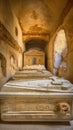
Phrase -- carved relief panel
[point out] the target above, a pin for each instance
(33, 109)
(13, 64)
(2, 65)
(34, 57)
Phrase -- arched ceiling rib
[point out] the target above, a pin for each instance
(35, 44)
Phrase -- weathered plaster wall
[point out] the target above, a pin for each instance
(12, 57)
(68, 27)
(11, 65)
(39, 17)
(61, 61)
(60, 52)
(68, 24)
(43, 14)
(9, 20)
(50, 54)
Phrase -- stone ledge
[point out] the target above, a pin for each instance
(6, 36)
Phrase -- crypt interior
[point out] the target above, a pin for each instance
(36, 44)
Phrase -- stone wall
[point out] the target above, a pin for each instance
(68, 28)
(68, 25)
(9, 20)
(10, 43)
(9, 62)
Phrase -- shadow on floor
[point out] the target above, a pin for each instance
(37, 123)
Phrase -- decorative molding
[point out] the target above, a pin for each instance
(23, 107)
(36, 30)
(35, 33)
(6, 36)
(62, 108)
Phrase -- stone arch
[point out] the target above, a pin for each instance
(60, 53)
(37, 43)
(12, 59)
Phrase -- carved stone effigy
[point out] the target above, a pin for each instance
(44, 99)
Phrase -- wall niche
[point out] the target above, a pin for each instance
(13, 63)
(3, 65)
(60, 54)
(34, 57)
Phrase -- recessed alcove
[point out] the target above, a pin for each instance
(60, 54)
(36, 43)
(35, 51)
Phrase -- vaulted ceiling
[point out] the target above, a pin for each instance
(42, 15)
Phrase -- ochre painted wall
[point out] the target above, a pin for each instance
(10, 22)
(11, 66)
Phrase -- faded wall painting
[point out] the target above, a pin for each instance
(60, 54)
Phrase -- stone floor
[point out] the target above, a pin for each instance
(37, 126)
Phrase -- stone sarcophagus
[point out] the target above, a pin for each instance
(36, 106)
(30, 98)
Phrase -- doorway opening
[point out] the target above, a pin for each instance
(34, 61)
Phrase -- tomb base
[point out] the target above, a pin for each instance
(36, 106)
